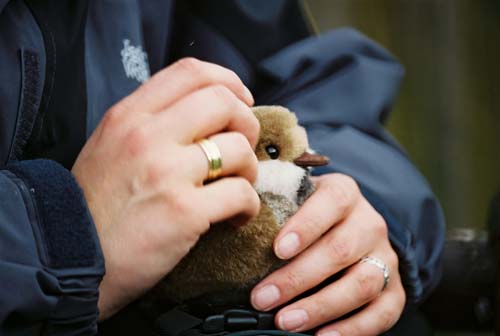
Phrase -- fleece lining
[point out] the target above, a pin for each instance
(66, 225)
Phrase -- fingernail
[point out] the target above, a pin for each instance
(288, 246)
(330, 333)
(293, 319)
(266, 297)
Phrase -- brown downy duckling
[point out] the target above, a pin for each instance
(229, 258)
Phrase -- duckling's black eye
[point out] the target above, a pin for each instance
(273, 152)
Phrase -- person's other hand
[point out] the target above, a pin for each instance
(142, 173)
(332, 231)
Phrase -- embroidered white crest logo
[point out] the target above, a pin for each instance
(135, 62)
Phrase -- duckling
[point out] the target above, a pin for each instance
(229, 258)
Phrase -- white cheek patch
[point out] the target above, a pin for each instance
(279, 178)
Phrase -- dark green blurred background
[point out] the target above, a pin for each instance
(448, 113)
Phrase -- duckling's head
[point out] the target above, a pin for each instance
(281, 138)
(284, 154)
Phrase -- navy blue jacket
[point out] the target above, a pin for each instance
(64, 63)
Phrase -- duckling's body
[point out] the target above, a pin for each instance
(230, 258)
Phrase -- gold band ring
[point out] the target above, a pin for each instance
(214, 158)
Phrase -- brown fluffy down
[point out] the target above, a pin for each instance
(225, 258)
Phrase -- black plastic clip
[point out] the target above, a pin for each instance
(238, 319)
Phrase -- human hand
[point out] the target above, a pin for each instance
(142, 173)
(332, 231)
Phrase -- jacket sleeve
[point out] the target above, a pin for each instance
(341, 85)
(50, 258)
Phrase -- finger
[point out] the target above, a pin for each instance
(341, 247)
(206, 112)
(237, 156)
(379, 316)
(360, 285)
(334, 198)
(227, 198)
(181, 78)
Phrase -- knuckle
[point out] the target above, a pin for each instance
(242, 187)
(256, 200)
(402, 302)
(243, 148)
(243, 195)
(155, 173)
(247, 193)
(252, 166)
(181, 206)
(254, 205)
(253, 125)
(254, 158)
(293, 283)
(232, 76)
(400, 295)
(353, 328)
(253, 135)
(341, 252)
(148, 242)
(368, 283)
(250, 123)
(341, 193)
(310, 225)
(392, 260)
(349, 183)
(113, 117)
(380, 226)
(178, 204)
(190, 64)
(240, 143)
(224, 96)
(137, 141)
(322, 309)
(244, 162)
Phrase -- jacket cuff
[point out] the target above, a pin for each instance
(67, 240)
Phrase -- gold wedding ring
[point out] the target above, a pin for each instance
(213, 155)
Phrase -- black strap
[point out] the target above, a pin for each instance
(177, 322)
